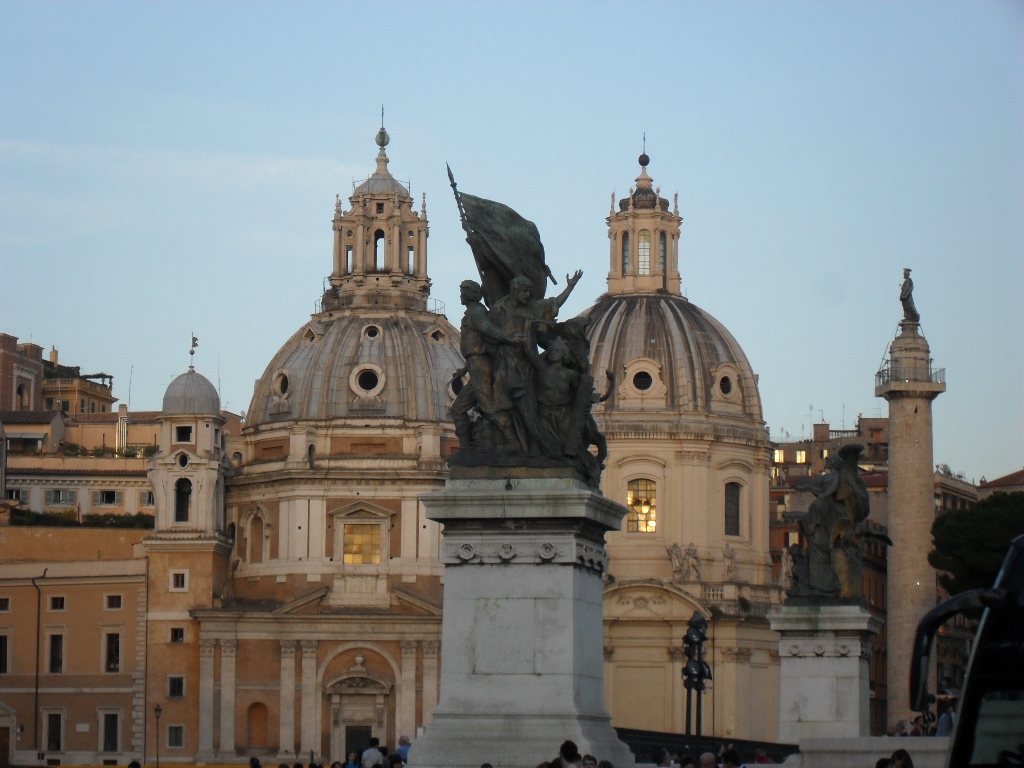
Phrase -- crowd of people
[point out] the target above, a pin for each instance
(917, 727)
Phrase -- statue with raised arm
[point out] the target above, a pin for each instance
(910, 314)
(530, 390)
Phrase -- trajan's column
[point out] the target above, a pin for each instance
(909, 383)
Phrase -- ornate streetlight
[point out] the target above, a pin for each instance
(157, 711)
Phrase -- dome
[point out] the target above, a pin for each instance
(191, 392)
(669, 354)
(381, 365)
(381, 183)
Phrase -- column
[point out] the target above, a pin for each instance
(308, 727)
(207, 649)
(679, 690)
(227, 695)
(430, 648)
(406, 720)
(287, 733)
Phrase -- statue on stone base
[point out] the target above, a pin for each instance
(835, 530)
(910, 314)
(530, 391)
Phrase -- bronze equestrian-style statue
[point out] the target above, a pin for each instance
(835, 530)
(530, 391)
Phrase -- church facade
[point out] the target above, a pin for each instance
(288, 602)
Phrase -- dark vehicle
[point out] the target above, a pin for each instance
(989, 726)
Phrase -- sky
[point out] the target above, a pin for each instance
(170, 168)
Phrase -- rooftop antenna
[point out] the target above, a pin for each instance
(192, 352)
(131, 372)
(382, 116)
(645, 142)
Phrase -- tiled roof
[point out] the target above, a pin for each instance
(28, 417)
(1012, 479)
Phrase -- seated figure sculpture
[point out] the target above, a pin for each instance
(530, 391)
(835, 530)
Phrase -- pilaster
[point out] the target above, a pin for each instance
(207, 652)
(430, 680)
(227, 696)
(286, 750)
(406, 720)
(309, 728)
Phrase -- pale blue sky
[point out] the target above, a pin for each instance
(171, 167)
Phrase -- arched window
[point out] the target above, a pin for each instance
(643, 249)
(732, 509)
(21, 403)
(182, 500)
(256, 540)
(625, 253)
(411, 261)
(378, 250)
(663, 253)
(311, 456)
(642, 500)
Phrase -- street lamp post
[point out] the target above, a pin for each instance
(157, 711)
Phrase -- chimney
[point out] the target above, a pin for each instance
(53, 355)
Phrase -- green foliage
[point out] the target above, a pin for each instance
(66, 519)
(108, 520)
(970, 544)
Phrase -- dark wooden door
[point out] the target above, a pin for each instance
(357, 738)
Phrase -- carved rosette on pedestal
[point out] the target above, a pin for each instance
(522, 657)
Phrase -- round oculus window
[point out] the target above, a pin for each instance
(725, 385)
(643, 381)
(281, 384)
(367, 380)
(372, 331)
(182, 460)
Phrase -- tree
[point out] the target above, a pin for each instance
(970, 543)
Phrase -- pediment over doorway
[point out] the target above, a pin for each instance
(650, 599)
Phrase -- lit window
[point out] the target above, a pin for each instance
(732, 509)
(625, 253)
(175, 736)
(643, 248)
(642, 498)
(362, 544)
(801, 457)
(780, 456)
(824, 453)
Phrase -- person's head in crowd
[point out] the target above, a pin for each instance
(254, 762)
(708, 760)
(403, 740)
(605, 764)
(568, 752)
(883, 762)
(688, 761)
(374, 742)
(486, 765)
(394, 759)
(589, 761)
(660, 757)
(337, 764)
(353, 758)
(731, 759)
(901, 759)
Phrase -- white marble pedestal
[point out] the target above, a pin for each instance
(825, 690)
(522, 634)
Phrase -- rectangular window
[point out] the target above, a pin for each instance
(780, 456)
(362, 544)
(643, 247)
(179, 581)
(110, 732)
(411, 264)
(54, 732)
(19, 495)
(183, 434)
(176, 687)
(49, 403)
(732, 509)
(824, 453)
(57, 603)
(5, 604)
(147, 499)
(56, 654)
(5, 647)
(113, 602)
(81, 406)
(65, 406)
(61, 498)
(177, 634)
(642, 501)
(113, 652)
(175, 736)
(106, 498)
(380, 207)
(348, 259)
(801, 457)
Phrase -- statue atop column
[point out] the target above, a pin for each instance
(835, 529)
(530, 391)
(910, 314)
